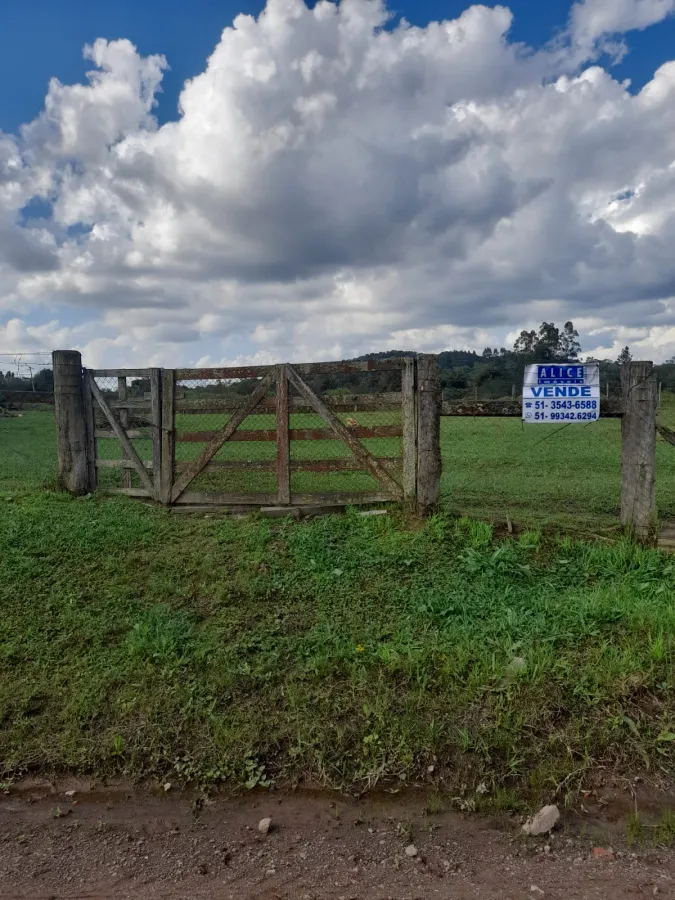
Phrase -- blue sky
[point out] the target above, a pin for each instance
(331, 189)
(44, 38)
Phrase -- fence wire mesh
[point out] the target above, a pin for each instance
(245, 463)
(319, 462)
(569, 474)
(665, 455)
(129, 400)
(503, 469)
(27, 427)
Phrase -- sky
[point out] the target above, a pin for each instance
(303, 181)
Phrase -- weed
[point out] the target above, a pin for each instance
(405, 830)
(634, 830)
(434, 805)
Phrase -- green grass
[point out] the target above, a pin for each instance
(492, 468)
(544, 475)
(346, 649)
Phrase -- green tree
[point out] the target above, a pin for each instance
(525, 343)
(549, 343)
(569, 346)
(624, 357)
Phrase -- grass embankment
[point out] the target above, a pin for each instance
(348, 649)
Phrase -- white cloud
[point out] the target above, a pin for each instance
(594, 19)
(332, 186)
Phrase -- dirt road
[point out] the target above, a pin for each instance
(104, 843)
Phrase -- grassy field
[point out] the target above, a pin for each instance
(346, 649)
(538, 476)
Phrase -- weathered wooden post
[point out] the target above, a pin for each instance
(428, 434)
(168, 422)
(283, 438)
(72, 439)
(409, 414)
(638, 450)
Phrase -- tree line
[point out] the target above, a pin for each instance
(464, 373)
(493, 373)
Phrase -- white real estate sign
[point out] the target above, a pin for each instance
(567, 392)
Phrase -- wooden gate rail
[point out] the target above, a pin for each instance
(319, 368)
(388, 402)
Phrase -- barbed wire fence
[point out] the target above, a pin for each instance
(499, 468)
(493, 467)
(27, 428)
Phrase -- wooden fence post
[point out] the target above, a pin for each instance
(428, 434)
(638, 450)
(156, 415)
(168, 427)
(72, 440)
(122, 396)
(283, 438)
(409, 413)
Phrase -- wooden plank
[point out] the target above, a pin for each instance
(409, 406)
(273, 512)
(220, 498)
(428, 434)
(123, 438)
(296, 434)
(638, 450)
(390, 463)
(90, 428)
(319, 368)
(390, 401)
(345, 434)
(119, 373)
(347, 366)
(168, 435)
(132, 434)
(131, 492)
(156, 419)
(343, 498)
(221, 437)
(124, 422)
(283, 439)
(345, 464)
(666, 434)
(228, 373)
(337, 498)
(609, 409)
(120, 464)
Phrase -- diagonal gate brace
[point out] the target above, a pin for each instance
(359, 451)
(221, 436)
(121, 435)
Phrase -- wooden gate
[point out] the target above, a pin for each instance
(234, 457)
(112, 406)
(310, 435)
